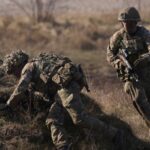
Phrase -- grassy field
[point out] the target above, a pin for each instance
(84, 39)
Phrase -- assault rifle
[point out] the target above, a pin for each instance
(124, 57)
(129, 69)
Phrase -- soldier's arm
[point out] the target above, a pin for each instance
(21, 88)
(113, 49)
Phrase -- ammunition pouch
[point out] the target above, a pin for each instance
(70, 72)
(64, 74)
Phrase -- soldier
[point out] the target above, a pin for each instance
(132, 40)
(51, 75)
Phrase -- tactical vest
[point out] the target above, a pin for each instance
(60, 70)
(134, 45)
(48, 65)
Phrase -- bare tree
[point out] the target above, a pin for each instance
(39, 10)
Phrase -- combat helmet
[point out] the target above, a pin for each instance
(129, 14)
(14, 60)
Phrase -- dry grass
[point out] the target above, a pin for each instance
(116, 103)
(83, 39)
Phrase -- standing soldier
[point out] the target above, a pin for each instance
(125, 48)
(53, 74)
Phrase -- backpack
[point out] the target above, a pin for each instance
(54, 67)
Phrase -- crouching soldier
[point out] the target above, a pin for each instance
(125, 48)
(56, 75)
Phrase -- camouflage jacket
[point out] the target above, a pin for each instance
(46, 76)
(136, 45)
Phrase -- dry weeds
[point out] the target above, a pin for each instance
(84, 40)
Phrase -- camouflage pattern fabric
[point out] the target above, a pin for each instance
(54, 75)
(55, 123)
(14, 60)
(40, 72)
(136, 45)
(69, 101)
(129, 14)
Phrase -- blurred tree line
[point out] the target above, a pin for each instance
(38, 10)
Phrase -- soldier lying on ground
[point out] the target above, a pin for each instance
(56, 75)
(132, 42)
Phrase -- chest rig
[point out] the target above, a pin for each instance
(48, 66)
(134, 45)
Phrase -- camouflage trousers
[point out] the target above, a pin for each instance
(139, 98)
(70, 103)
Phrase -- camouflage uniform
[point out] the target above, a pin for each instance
(55, 75)
(136, 45)
(8, 66)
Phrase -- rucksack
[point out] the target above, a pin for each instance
(50, 64)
